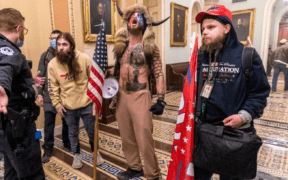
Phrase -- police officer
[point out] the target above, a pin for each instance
(22, 155)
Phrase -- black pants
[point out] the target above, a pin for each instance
(27, 165)
(49, 132)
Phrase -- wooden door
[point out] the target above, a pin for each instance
(283, 32)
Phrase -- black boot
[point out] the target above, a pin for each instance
(129, 174)
(67, 146)
(46, 156)
(158, 178)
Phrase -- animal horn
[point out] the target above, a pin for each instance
(119, 10)
(159, 22)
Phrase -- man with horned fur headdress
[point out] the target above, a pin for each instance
(137, 57)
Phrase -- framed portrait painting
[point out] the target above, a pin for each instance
(178, 25)
(243, 22)
(96, 13)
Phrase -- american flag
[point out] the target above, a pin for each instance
(181, 165)
(97, 75)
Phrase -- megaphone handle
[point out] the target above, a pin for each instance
(114, 100)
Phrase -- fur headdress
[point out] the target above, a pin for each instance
(148, 36)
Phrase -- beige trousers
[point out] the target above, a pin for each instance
(135, 125)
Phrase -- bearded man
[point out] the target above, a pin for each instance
(228, 98)
(68, 75)
(44, 100)
(138, 59)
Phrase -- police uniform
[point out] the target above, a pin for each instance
(22, 154)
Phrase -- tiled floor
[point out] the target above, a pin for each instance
(56, 169)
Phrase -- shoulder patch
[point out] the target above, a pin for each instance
(6, 51)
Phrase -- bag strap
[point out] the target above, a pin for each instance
(46, 61)
(199, 101)
(247, 58)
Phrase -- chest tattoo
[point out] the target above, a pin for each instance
(137, 61)
(136, 58)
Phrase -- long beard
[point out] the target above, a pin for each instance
(135, 31)
(213, 46)
(65, 57)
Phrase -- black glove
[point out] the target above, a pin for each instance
(158, 107)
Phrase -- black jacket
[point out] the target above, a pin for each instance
(232, 91)
(15, 76)
(45, 58)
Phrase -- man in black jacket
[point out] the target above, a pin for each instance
(20, 144)
(49, 109)
(227, 96)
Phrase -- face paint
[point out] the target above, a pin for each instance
(138, 17)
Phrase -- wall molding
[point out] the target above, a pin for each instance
(163, 40)
(52, 15)
(201, 7)
(267, 20)
(71, 17)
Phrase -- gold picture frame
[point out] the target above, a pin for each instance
(178, 25)
(92, 20)
(243, 22)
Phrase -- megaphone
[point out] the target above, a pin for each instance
(110, 88)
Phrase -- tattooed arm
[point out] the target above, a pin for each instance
(158, 73)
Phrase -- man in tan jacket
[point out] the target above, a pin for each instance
(68, 75)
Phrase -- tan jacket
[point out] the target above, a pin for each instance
(64, 91)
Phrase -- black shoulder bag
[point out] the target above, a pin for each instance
(225, 150)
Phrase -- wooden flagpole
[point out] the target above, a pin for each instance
(95, 147)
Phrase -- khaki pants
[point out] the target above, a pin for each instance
(135, 125)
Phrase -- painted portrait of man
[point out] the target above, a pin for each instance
(179, 25)
(241, 23)
(100, 12)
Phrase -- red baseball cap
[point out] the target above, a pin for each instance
(215, 10)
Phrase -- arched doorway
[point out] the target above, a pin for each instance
(195, 27)
(267, 20)
(195, 7)
(283, 28)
